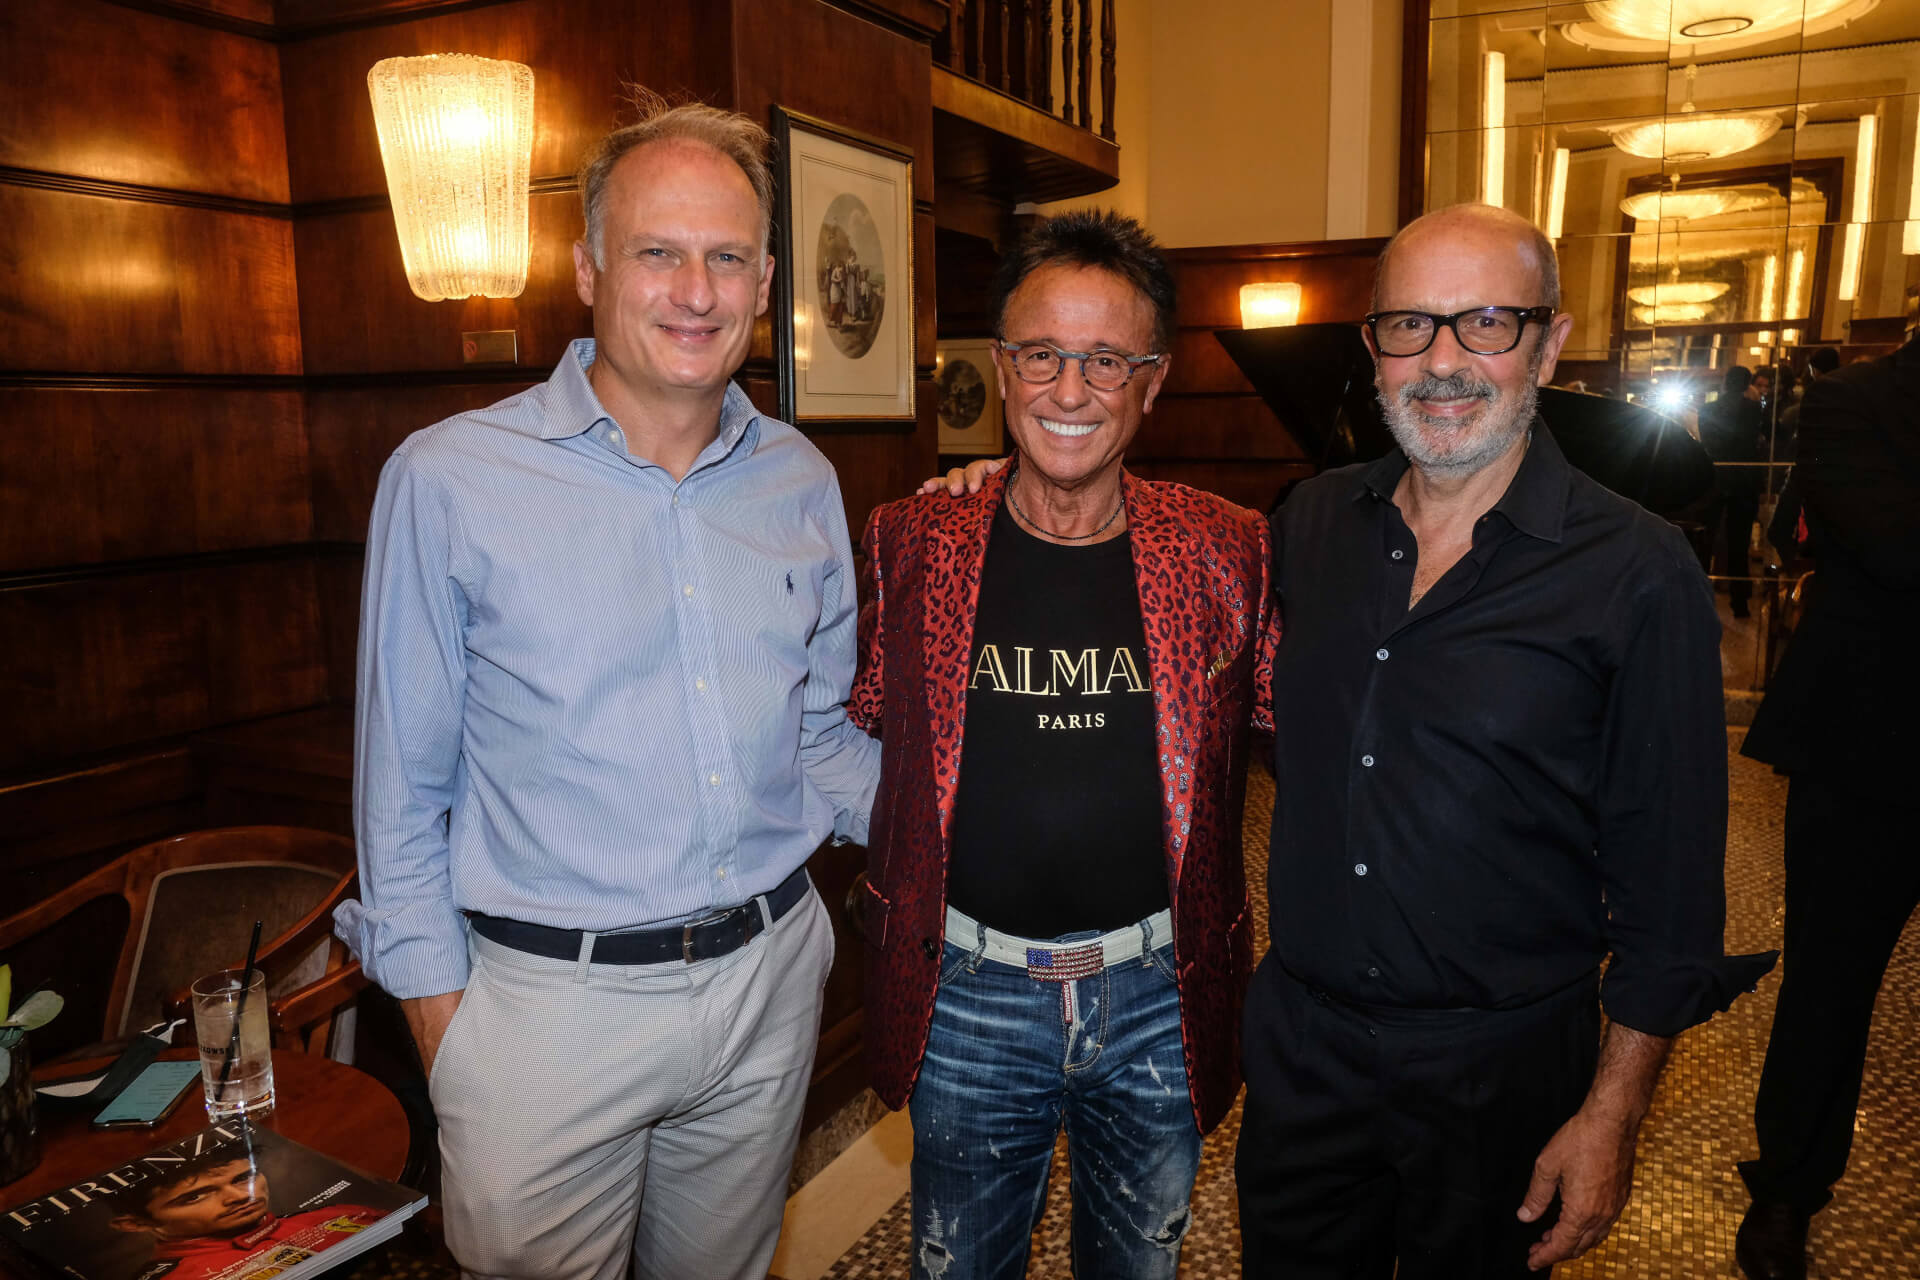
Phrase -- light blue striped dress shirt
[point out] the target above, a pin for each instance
(589, 696)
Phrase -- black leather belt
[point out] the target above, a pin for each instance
(707, 938)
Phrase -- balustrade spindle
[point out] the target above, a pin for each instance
(1006, 66)
(1066, 61)
(1108, 41)
(1045, 45)
(1086, 64)
(957, 35)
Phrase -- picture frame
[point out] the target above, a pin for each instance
(844, 277)
(971, 413)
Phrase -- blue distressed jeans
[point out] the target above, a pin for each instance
(1004, 1071)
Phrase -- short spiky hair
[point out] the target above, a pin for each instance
(1098, 238)
(733, 135)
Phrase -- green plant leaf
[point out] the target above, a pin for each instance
(38, 1010)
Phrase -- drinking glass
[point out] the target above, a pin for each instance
(248, 1086)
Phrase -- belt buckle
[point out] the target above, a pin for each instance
(686, 931)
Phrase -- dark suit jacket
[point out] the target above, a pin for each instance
(1844, 701)
(1201, 565)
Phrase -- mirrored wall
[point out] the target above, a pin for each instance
(1728, 181)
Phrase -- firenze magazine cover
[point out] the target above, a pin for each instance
(232, 1202)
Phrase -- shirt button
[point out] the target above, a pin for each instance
(1380, 654)
(1373, 971)
(676, 499)
(687, 590)
(1366, 762)
(1359, 868)
(713, 779)
(1398, 554)
(700, 684)
(721, 873)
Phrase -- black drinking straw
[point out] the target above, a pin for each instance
(239, 1008)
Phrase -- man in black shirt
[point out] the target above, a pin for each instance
(1501, 760)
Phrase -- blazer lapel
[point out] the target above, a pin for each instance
(1177, 610)
(957, 552)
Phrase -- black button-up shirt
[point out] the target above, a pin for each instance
(1483, 797)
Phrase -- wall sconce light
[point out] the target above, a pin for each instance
(1267, 306)
(1493, 115)
(1862, 212)
(456, 137)
(1557, 193)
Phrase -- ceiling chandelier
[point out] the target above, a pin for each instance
(1685, 24)
(1672, 313)
(1664, 206)
(1695, 135)
(1678, 292)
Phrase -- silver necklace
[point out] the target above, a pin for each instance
(1118, 507)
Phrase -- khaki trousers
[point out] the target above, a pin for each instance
(594, 1117)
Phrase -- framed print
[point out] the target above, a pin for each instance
(970, 404)
(844, 276)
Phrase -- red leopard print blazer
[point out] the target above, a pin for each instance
(1202, 567)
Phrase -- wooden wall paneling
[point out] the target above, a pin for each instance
(339, 570)
(1202, 365)
(98, 285)
(354, 430)
(101, 474)
(1213, 428)
(59, 827)
(121, 96)
(357, 314)
(217, 13)
(98, 663)
(581, 53)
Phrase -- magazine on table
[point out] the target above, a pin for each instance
(232, 1202)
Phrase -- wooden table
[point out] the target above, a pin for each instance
(334, 1109)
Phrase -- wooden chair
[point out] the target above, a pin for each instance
(188, 903)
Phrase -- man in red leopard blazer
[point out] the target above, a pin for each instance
(1063, 669)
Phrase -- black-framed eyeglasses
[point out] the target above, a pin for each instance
(1485, 331)
(1040, 362)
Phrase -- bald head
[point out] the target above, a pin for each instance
(1481, 235)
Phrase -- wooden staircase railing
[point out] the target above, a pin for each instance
(1008, 45)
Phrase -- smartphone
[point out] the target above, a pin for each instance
(150, 1097)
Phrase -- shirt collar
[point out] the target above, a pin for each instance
(573, 408)
(1535, 502)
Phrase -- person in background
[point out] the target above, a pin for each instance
(1733, 431)
(1838, 719)
(607, 635)
(1062, 669)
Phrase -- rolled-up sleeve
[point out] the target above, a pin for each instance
(1663, 811)
(406, 930)
(839, 759)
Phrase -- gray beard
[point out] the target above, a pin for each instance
(1501, 425)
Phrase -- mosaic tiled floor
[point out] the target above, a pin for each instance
(1687, 1197)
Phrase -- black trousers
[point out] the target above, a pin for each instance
(1375, 1136)
(1853, 879)
(1739, 510)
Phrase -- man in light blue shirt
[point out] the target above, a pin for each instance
(606, 635)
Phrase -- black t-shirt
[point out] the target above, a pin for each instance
(1057, 821)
